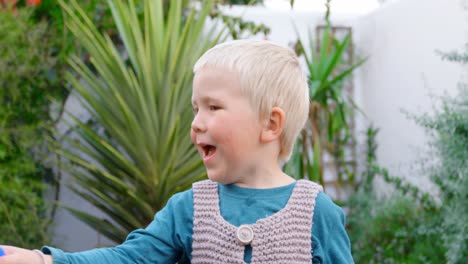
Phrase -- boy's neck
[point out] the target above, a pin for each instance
(264, 171)
(265, 177)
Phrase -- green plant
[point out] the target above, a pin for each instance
(449, 129)
(326, 132)
(22, 209)
(241, 2)
(394, 230)
(29, 83)
(433, 226)
(402, 228)
(141, 104)
(238, 27)
(50, 11)
(99, 12)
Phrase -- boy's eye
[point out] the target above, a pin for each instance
(194, 110)
(214, 107)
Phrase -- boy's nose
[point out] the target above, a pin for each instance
(197, 124)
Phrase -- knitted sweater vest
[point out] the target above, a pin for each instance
(284, 237)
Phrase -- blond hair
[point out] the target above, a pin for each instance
(270, 76)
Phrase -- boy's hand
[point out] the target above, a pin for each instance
(15, 255)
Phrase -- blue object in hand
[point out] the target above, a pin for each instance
(2, 252)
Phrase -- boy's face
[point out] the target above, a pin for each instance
(225, 128)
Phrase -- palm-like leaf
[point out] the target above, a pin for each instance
(142, 103)
(330, 111)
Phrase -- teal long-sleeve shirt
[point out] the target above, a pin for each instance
(168, 238)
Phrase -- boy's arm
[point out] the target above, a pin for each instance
(160, 242)
(163, 241)
(330, 242)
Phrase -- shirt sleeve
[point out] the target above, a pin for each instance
(330, 242)
(162, 241)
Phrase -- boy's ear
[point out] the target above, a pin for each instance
(274, 125)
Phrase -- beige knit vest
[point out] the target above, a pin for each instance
(284, 237)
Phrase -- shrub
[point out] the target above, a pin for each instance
(396, 229)
(449, 130)
(28, 80)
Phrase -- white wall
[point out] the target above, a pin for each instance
(404, 72)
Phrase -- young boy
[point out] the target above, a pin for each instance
(250, 101)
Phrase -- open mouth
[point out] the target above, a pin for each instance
(207, 151)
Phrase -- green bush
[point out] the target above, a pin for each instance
(449, 130)
(411, 227)
(29, 79)
(22, 209)
(401, 228)
(394, 230)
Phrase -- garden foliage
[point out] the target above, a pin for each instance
(135, 152)
(411, 226)
(29, 81)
